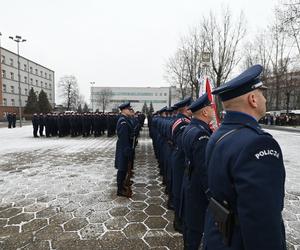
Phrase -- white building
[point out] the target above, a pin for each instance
(32, 75)
(160, 97)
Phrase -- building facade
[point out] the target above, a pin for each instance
(159, 97)
(283, 93)
(32, 75)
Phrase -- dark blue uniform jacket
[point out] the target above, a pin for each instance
(194, 201)
(124, 149)
(246, 169)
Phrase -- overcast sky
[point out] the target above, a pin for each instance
(112, 42)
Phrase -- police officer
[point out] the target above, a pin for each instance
(178, 159)
(246, 173)
(193, 197)
(35, 124)
(14, 119)
(124, 149)
(9, 120)
(41, 124)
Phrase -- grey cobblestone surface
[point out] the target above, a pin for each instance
(63, 196)
(60, 194)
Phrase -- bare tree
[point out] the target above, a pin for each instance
(223, 39)
(68, 87)
(289, 15)
(184, 68)
(176, 73)
(193, 46)
(103, 98)
(280, 58)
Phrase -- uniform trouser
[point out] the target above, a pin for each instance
(121, 175)
(47, 131)
(178, 172)
(41, 130)
(35, 130)
(9, 124)
(192, 238)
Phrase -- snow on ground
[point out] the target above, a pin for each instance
(60, 193)
(290, 146)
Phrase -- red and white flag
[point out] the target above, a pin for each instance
(206, 88)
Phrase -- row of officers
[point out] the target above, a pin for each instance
(226, 187)
(75, 124)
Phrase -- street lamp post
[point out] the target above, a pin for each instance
(92, 100)
(18, 40)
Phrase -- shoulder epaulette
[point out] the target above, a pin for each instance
(257, 129)
(179, 121)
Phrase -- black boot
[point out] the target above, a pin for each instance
(177, 224)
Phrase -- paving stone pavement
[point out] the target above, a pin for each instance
(63, 196)
(59, 193)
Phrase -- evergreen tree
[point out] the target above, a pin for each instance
(79, 109)
(145, 109)
(151, 109)
(32, 103)
(85, 108)
(43, 102)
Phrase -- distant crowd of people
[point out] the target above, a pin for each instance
(280, 120)
(75, 124)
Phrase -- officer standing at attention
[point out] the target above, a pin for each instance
(246, 173)
(194, 199)
(181, 121)
(124, 149)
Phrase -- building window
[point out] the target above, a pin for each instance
(50, 96)
(41, 73)
(12, 102)
(36, 71)
(25, 79)
(46, 85)
(12, 75)
(4, 87)
(26, 92)
(45, 75)
(11, 62)
(41, 84)
(4, 102)
(31, 81)
(50, 77)
(25, 67)
(2, 59)
(3, 73)
(30, 69)
(50, 85)
(12, 89)
(165, 94)
(36, 82)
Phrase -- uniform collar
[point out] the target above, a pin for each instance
(201, 123)
(180, 115)
(240, 118)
